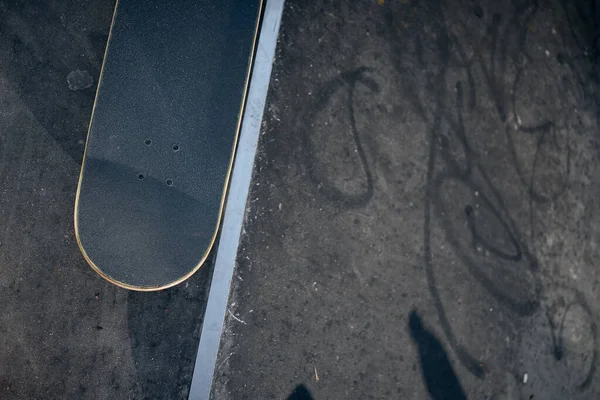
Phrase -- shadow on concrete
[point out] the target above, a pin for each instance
(300, 393)
(164, 328)
(42, 44)
(438, 374)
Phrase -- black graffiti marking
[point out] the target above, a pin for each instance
(348, 80)
(497, 43)
(557, 336)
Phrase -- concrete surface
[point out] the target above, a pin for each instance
(64, 331)
(423, 221)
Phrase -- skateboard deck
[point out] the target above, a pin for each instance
(162, 137)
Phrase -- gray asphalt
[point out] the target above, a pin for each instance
(422, 222)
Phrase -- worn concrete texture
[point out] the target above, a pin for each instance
(423, 221)
(65, 333)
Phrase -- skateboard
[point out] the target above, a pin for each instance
(162, 137)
